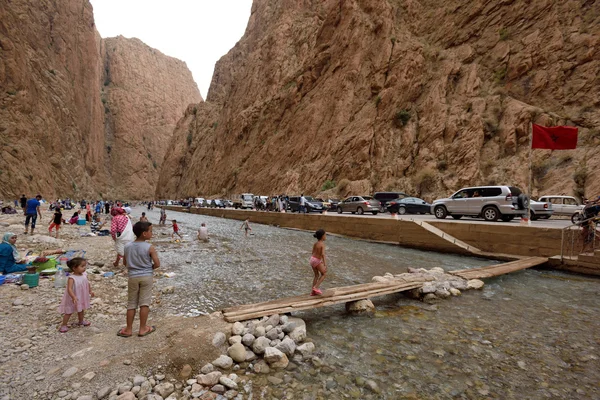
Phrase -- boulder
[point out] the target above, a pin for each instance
(360, 306)
(219, 339)
(248, 339)
(261, 367)
(475, 284)
(235, 339)
(273, 355)
(454, 292)
(259, 331)
(272, 334)
(223, 362)
(273, 320)
(287, 346)
(237, 328)
(164, 389)
(237, 352)
(209, 379)
(260, 344)
(306, 349)
(229, 383)
(250, 356)
(298, 334)
(207, 369)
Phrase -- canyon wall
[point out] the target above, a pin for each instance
(412, 95)
(82, 116)
(145, 94)
(51, 114)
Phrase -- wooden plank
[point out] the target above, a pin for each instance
(500, 269)
(323, 303)
(326, 293)
(311, 301)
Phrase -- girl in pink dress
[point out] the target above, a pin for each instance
(77, 295)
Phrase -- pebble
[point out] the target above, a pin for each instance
(127, 362)
(62, 393)
(70, 372)
(17, 302)
(24, 286)
(89, 376)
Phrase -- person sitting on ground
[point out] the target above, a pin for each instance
(141, 259)
(143, 218)
(97, 225)
(203, 233)
(74, 218)
(10, 259)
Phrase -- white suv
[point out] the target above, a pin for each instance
(490, 202)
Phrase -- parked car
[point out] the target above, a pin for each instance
(329, 204)
(312, 205)
(385, 197)
(563, 205)
(228, 203)
(199, 201)
(359, 205)
(540, 210)
(216, 203)
(489, 202)
(244, 200)
(408, 205)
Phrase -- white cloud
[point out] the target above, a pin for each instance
(198, 32)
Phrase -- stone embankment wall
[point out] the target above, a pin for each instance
(501, 239)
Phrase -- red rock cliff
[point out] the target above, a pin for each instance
(420, 96)
(81, 116)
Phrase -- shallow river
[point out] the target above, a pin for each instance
(528, 335)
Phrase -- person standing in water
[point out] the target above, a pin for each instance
(317, 262)
(246, 226)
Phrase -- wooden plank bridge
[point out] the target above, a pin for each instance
(364, 291)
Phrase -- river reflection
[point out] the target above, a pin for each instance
(531, 334)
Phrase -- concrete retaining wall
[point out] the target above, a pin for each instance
(505, 239)
(404, 233)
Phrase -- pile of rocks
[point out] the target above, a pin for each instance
(437, 284)
(256, 346)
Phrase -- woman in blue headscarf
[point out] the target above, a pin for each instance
(10, 260)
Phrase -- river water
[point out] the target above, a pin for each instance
(529, 335)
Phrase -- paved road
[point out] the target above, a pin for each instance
(554, 222)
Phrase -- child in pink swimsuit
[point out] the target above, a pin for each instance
(317, 262)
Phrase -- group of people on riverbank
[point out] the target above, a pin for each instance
(133, 250)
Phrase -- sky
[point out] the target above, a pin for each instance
(198, 32)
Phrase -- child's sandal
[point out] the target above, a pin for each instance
(64, 329)
(85, 323)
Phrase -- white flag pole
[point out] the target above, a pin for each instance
(530, 172)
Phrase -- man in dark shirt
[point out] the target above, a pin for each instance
(32, 210)
(23, 202)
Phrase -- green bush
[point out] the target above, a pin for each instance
(328, 184)
(402, 117)
(503, 34)
(189, 138)
(377, 101)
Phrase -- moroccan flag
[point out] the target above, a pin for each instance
(554, 138)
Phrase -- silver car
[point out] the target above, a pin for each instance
(359, 205)
(489, 202)
(540, 210)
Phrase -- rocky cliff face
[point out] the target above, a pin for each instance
(145, 94)
(419, 96)
(51, 115)
(81, 116)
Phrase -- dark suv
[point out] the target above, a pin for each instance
(311, 204)
(385, 197)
